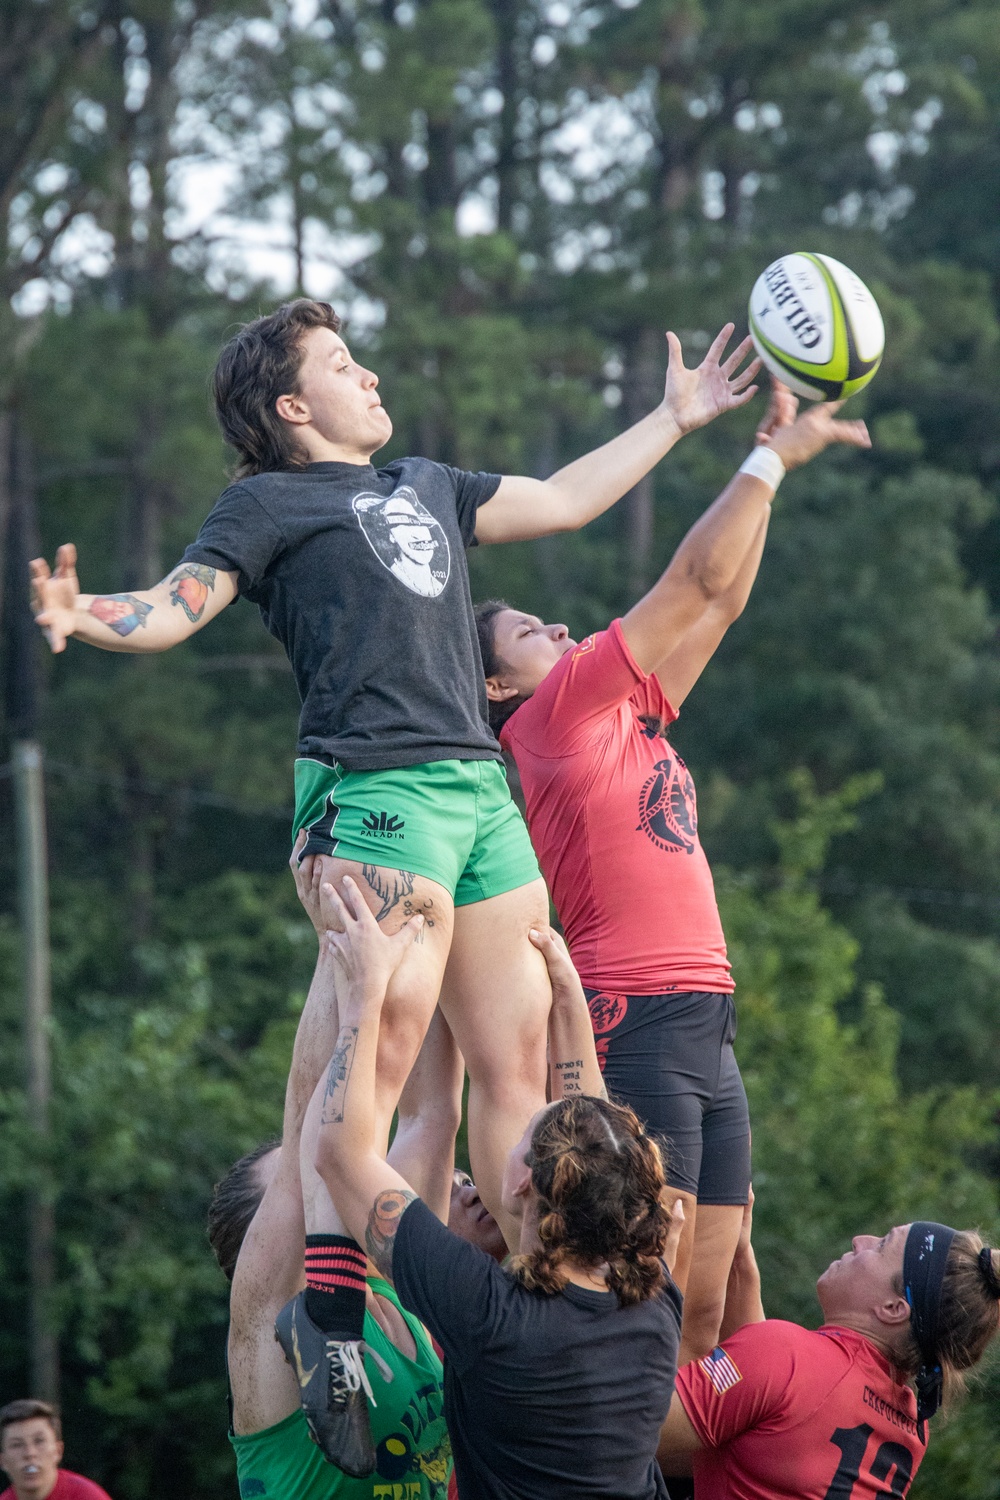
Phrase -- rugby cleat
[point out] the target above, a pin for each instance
(333, 1387)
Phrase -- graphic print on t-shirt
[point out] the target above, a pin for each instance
(667, 809)
(406, 539)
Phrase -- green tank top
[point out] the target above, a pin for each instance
(413, 1454)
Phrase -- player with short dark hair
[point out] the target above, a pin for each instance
(797, 1414)
(612, 814)
(31, 1450)
(361, 574)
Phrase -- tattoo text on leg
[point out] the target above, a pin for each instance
(390, 886)
(338, 1076)
(189, 587)
(120, 612)
(383, 1221)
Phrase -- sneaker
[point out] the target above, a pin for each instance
(333, 1387)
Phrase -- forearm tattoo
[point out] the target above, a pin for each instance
(570, 1074)
(338, 1076)
(120, 612)
(383, 1221)
(190, 586)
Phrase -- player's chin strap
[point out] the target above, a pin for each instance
(925, 1260)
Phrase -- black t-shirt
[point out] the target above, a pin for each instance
(545, 1396)
(361, 575)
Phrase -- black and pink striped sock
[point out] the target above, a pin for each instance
(335, 1284)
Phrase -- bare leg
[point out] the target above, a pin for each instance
(496, 998)
(716, 1234)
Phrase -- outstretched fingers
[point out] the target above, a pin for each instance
(66, 560)
(719, 343)
(855, 434)
(737, 357)
(675, 354)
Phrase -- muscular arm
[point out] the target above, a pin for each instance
(684, 664)
(573, 1065)
(584, 489)
(715, 561)
(270, 1265)
(369, 1194)
(148, 620)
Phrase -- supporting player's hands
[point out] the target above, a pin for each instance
(307, 877)
(365, 956)
(695, 397)
(674, 1237)
(782, 410)
(564, 979)
(813, 431)
(54, 595)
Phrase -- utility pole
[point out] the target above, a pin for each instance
(21, 695)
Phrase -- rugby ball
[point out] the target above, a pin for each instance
(816, 326)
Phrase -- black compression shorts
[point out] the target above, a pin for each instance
(670, 1058)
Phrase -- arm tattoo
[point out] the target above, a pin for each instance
(390, 887)
(337, 1078)
(120, 612)
(189, 587)
(570, 1074)
(383, 1221)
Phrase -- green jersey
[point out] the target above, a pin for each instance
(413, 1454)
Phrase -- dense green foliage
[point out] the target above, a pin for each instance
(517, 198)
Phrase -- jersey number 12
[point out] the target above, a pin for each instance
(852, 1442)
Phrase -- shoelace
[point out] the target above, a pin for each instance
(347, 1368)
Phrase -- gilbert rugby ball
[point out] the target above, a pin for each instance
(816, 326)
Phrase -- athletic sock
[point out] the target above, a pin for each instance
(335, 1284)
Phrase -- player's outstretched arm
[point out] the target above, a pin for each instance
(710, 562)
(368, 1194)
(743, 1298)
(148, 620)
(573, 1065)
(584, 489)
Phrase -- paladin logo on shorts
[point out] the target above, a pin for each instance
(383, 825)
(406, 539)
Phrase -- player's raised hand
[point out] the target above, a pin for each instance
(694, 397)
(782, 410)
(813, 431)
(54, 595)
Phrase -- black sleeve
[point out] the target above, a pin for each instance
(471, 491)
(238, 536)
(455, 1289)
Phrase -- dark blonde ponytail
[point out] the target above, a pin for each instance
(599, 1179)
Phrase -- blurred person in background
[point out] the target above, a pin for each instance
(31, 1450)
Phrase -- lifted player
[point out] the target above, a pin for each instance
(361, 574)
(611, 809)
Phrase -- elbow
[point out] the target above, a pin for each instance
(327, 1159)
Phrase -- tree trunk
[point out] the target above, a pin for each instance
(640, 393)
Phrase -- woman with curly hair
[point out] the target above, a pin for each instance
(559, 1368)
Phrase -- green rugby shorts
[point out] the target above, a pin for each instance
(450, 820)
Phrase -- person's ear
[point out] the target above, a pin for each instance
(293, 409)
(894, 1311)
(60, 1450)
(522, 1187)
(497, 691)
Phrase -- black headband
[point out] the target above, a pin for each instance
(925, 1259)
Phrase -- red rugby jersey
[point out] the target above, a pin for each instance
(790, 1414)
(612, 815)
(68, 1486)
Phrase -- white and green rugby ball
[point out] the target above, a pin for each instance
(816, 326)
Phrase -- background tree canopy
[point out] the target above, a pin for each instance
(511, 200)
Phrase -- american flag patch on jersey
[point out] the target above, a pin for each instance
(720, 1370)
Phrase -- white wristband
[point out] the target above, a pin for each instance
(764, 463)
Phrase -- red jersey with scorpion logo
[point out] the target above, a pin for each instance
(612, 815)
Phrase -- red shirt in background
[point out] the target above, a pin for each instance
(612, 815)
(68, 1486)
(788, 1414)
